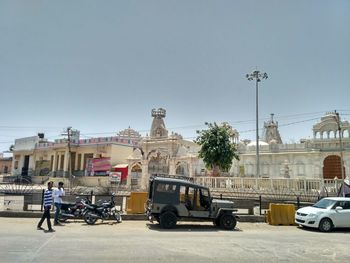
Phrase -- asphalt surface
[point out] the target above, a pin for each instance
(141, 241)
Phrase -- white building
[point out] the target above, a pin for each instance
(314, 158)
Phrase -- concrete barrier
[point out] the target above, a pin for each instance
(281, 214)
(136, 202)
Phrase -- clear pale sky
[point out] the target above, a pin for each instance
(101, 66)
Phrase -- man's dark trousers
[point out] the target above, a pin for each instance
(47, 216)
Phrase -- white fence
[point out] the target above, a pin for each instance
(271, 185)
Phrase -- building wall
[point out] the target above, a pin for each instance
(120, 153)
(58, 157)
(5, 166)
(307, 164)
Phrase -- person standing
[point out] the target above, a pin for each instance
(47, 207)
(57, 198)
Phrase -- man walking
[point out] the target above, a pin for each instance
(57, 198)
(47, 207)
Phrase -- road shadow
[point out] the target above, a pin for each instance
(99, 223)
(73, 221)
(316, 230)
(184, 227)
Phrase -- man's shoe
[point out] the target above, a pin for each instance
(51, 230)
(40, 228)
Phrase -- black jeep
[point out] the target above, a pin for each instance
(172, 199)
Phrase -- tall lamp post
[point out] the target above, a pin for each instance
(341, 150)
(257, 76)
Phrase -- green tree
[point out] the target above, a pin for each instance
(217, 147)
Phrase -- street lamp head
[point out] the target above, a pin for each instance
(256, 75)
(249, 77)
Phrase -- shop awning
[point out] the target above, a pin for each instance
(120, 166)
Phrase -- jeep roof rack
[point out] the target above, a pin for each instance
(190, 179)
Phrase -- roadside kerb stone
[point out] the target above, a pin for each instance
(38, 214)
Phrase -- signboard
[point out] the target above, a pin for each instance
(101, 164)
(98, 166)
(115, 177)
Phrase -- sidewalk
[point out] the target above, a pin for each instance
(38, 214)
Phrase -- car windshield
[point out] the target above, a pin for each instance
(324, 203)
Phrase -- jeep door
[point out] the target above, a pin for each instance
(197, 207)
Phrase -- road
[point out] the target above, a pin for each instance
(140, 241)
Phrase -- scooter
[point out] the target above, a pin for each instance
(105, 210)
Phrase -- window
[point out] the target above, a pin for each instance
(344, 204)
(169, 188)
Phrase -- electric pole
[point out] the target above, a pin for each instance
(69, 134)
(337, 118)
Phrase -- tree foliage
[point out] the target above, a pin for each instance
(217, 148)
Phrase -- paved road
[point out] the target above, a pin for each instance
(139, 241)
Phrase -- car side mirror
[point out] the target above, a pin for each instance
(338, 208)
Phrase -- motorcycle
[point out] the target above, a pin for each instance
(73, 210)
(105, 210)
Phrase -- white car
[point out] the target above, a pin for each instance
(326, 214)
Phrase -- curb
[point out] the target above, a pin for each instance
(38, 214)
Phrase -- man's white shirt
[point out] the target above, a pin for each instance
(57, 193)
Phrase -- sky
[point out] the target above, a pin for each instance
(101, 66)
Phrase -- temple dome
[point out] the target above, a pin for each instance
(129, 133)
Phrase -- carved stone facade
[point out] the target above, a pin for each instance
(271, 133)
(328, 127)
(160, 153)
(317, 158)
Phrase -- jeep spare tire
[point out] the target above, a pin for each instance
(168, 220)
(228, 222)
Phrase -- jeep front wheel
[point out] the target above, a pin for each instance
(228, 222)
(168, 220)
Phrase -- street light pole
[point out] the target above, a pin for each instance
(341, 151)
(258, 76)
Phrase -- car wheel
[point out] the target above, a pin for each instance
(228, 222)
(326, 225)
(168, 220)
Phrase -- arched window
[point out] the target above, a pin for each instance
(182, 169)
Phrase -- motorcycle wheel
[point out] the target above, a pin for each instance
(63, 219)
(89, 219)
(117, 217)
